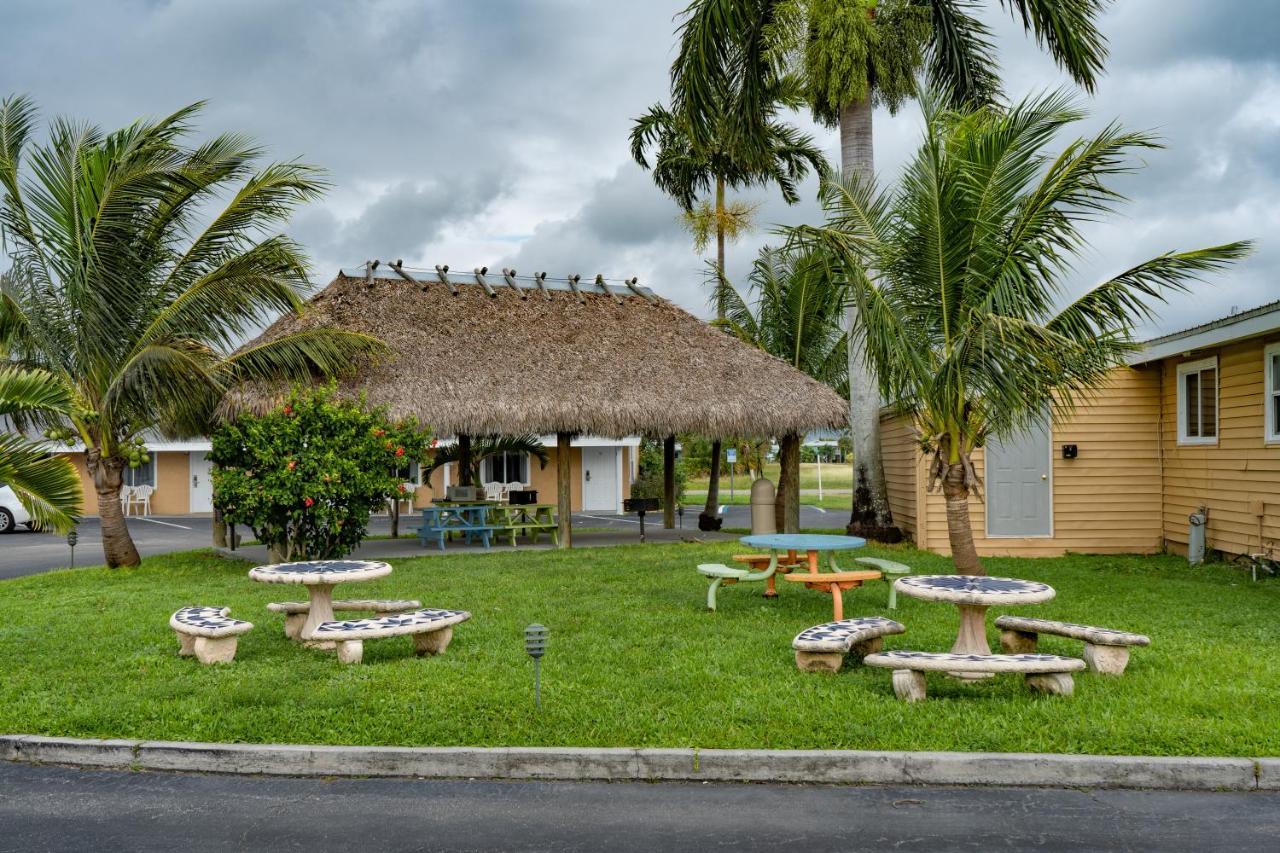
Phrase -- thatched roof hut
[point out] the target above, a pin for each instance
(508, 355)
(513, 357)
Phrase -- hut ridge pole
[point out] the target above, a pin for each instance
(564, 506)
(464, 461)
(669, 482)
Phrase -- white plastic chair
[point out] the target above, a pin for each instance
(493, 491)
(126, 498)
(142, 498)
(410, 489)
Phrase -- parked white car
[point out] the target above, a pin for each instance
(12, 512)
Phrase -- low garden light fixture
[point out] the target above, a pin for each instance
(535, 643)
(72, 539)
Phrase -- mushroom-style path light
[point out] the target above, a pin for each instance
(535, 643)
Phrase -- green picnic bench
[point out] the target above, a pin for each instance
(529, 520)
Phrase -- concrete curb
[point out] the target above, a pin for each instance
(848, 767)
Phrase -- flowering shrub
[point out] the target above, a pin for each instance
(305, 476)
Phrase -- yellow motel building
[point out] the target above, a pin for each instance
(1191, 424)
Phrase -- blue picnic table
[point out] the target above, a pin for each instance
(440, 521)
(833, 582)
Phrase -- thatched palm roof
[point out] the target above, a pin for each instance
(529, 355)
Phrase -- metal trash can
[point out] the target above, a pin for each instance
(762, 499)
(1196, 536)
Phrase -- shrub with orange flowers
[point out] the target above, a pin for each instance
(305, 476)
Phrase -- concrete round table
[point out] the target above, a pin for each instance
(319, 577)
(972, 595)
(812, 544)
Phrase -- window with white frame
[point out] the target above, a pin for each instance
(1271, 392)
(505, 468)
(1198, 402)
(143, 475)
(410, 473)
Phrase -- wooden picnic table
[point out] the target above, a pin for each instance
(834, 581)
(469, 520)
(529, 519)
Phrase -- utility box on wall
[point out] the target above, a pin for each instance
(1069, 451)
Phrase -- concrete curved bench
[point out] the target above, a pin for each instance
(208, 633)
(1044, 673)
(431, 629)
(1105, 650)
(822, 648)
(887, 568)
(295, 612)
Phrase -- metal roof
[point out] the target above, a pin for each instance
(1235, 327)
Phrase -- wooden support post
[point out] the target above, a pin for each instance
(464, 460)
(564, 506)
(669, 482)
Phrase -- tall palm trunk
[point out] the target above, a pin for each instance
(709, 518)
(857, 157)
(108, 476)
(959, 528)
(786, 506)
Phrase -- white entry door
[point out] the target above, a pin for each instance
(1020, 484)
(600, 479)
(201, 482)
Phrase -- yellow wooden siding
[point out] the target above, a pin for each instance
(172, 495)
(1240, 470)
(900, 451)
(1106, 501)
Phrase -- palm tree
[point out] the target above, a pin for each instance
(685, 170)
(484, 446)
(139, 263)
(796, 316)
(850, 56)
(957, 275)
(46, 485)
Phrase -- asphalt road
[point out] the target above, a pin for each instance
(27, 553)
(54, 808)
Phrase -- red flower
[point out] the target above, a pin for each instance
(292, 464)
(402, 488)
(288, 410)
(379, 432)
(307, 502)
(399, 451)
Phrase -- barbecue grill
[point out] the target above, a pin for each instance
(640, 506)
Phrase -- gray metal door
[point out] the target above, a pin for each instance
(1019, 473)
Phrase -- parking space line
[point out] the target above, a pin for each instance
(156, 521)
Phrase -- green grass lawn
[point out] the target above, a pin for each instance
(742, 497)
(635, 660)
(836, 476)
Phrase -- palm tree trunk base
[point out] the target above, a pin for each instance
(864, 521)
(709, 521)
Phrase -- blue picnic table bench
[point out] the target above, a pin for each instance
(440, 521)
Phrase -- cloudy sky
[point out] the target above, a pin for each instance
(494, 131)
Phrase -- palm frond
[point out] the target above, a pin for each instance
(47, 486)
(483, 447)
(301, 355)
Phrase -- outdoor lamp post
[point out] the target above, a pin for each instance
(535, 643)
(72, 539)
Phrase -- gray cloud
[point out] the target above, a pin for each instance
(494, 131)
